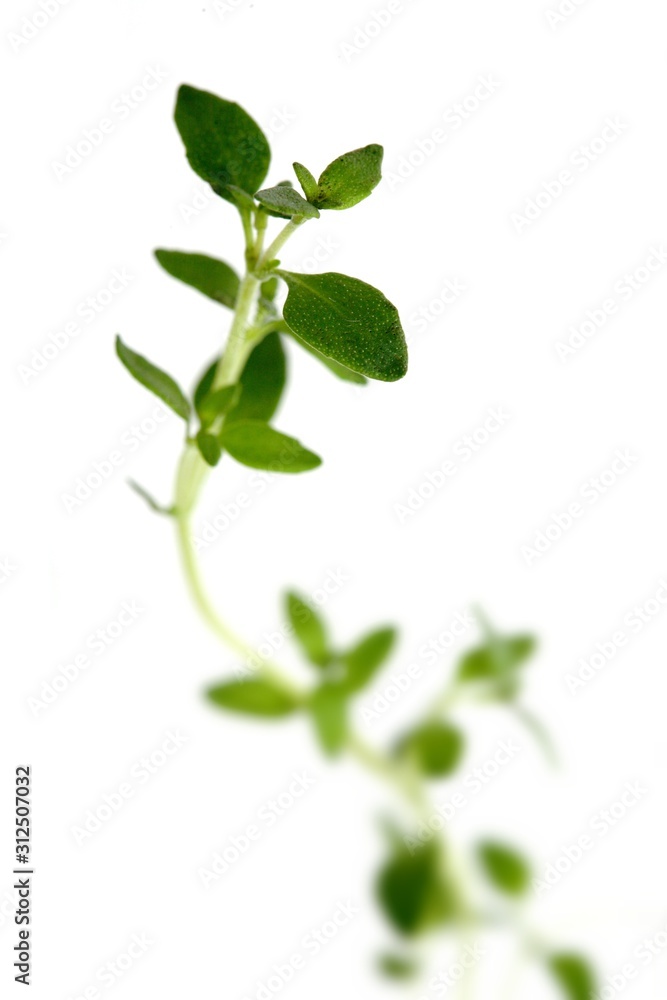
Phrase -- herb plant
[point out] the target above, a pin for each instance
(356, 332)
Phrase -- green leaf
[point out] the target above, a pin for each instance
(262, 381)
(350, 178)
(286, 202)
(328, 707)
(436, 747)
(347, 320)
(412, 891)
(309, 630)
(255, 444)
(209, 447)
(154, 379)
(496, 663)
(216, 403)
(270, 288)
(574, 975)
(306, 180)
(152, 503)
(212, 277)
(364, 659)
(505, 868)
(222, 142)
(254, 697)
(340, 370)
(398, 966)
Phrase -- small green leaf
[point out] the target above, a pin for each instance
(436, 747)
(309, 630)
(254, 443)
(286, 202)
(254, 697)
(574, 975)
(217, 403)
(505, 868)
(152, 503)
(270, 288)
(328, 707)
(346, 374)
(212, 277)
(209, 447)
(350, 178)
(496, 663)
(154, 379)
(412, 891)
(222, 142)
(262, 381)
(398, 966)
(306, 180)
(349, 321)
(364, 659)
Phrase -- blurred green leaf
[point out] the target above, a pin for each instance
(328, 707)
(255, 444)
(262, 381)
(350, 178)
(209, 447)
(574, 975)
(309, 630)
(412, 891)
(222, 142)
(398, 966)
(306, 180)
(154, 379)
(436, 747)
(252, 697)
(496, 663)
(364, 659)
(209, 276)
(505, 868)
(286, 202)
(347, 320)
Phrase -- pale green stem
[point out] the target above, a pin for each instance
(281, 239)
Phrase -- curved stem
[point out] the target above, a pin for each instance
(281, 239)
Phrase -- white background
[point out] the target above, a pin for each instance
(450, 219)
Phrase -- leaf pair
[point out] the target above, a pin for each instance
(494, 666)
(345, 182)
(343, 673)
